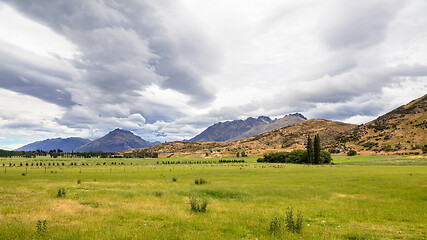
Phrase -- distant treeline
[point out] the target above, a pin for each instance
(93, 154)
(26, 154)
(312, 155)
(202, 162)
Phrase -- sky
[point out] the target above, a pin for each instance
(168, 69)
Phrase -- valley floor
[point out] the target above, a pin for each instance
(362, 197)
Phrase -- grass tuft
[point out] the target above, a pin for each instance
(198, 206)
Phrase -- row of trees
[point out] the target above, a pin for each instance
(312, 155)
(26, 154)
(59, 153)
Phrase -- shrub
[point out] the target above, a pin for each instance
(275, 226)
(79, 181)
(197, 206)
(174, 179)
(291, 225)
(299, 222)
(41, 227)
(61, 192)
(351, 153)
(200, 181)
(289, 220)
(158, 194)
(386, 147)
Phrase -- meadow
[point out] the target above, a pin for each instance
(361, 197)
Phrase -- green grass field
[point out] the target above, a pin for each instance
(359, 198)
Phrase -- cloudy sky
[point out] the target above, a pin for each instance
(167, 69)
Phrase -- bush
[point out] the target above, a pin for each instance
(174, 179)
(61, 192)
(351, 153)
(200, 181)
(41, 227)
(197, 206)
(158, 194)
(290, 220)
(275, 226)
(291, 225)
(79, 181)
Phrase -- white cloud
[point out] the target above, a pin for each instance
(11, 147)
(22, 32)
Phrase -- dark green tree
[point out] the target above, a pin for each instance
(310, 154)
(316, 149)
(351, 153)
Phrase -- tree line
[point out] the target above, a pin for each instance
(312, 155)
(54, 153)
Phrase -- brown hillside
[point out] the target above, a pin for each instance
(402, 130)
(294, 136)
(191, 149)
(285, 138)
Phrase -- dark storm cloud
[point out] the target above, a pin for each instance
(124, 45)
(34, 79)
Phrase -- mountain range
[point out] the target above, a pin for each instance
(239, 129)
(65, 144)
(402, 130)
(115, 141)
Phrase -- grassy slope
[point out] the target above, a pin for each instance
(142, 202)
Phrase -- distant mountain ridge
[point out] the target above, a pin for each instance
(240, 129)
(65, 144)
(118, 140)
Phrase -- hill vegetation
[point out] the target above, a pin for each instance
(402, 130)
